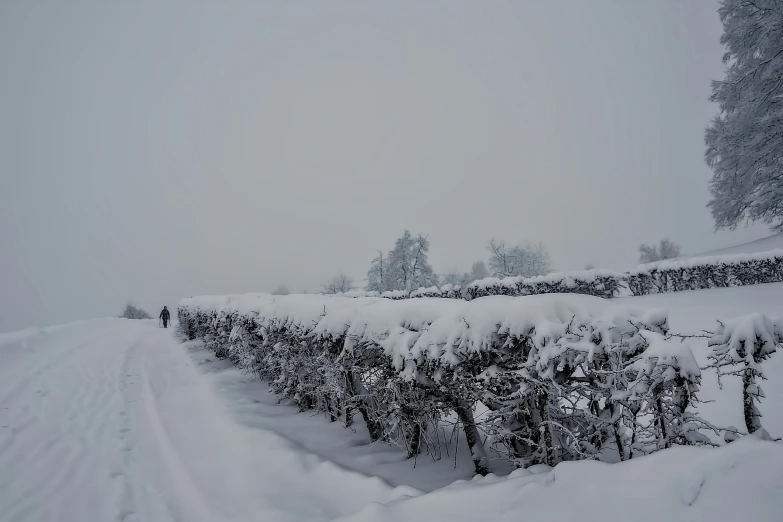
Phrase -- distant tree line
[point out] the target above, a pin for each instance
(406, 266)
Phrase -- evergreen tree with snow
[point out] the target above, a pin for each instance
(745, 141)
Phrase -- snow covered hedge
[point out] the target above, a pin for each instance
(698, 273)
(663, 276)
(600, 283)
(562, 377)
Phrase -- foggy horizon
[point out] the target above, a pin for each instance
(153, 152)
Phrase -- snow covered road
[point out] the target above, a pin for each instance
(111, 420)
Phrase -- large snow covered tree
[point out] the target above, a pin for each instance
(745, 141)
(408, 266)
(667, 249)
(520, 260)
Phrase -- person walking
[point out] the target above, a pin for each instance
(165, 315)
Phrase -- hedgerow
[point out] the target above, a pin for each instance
(563, 377)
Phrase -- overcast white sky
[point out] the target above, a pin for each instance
(155, 150)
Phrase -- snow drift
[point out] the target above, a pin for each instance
(737, 482)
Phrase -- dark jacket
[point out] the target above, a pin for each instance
(165, 314)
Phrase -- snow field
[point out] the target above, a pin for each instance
(739, 482)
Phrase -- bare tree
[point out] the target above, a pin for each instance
(666, 249)
(455, 277)
(521, 260)
(501, 260)
(338, 284)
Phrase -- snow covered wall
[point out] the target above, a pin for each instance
(556, 377)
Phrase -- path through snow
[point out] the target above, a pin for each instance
(111, 420)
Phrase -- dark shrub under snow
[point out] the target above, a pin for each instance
(676, 275)
(133, 312)
(600, 283)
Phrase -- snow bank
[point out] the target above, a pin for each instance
(736, 482)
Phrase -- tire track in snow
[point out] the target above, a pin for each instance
(139, 498)
(119, 425)
(60, 435)
(191, 506)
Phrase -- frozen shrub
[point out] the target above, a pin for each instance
(133, 312)
(739, 346)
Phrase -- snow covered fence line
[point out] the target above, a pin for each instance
(563, 377)
(599, 283)
(675, 275)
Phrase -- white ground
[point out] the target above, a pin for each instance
(115, 420)
(111, 420)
